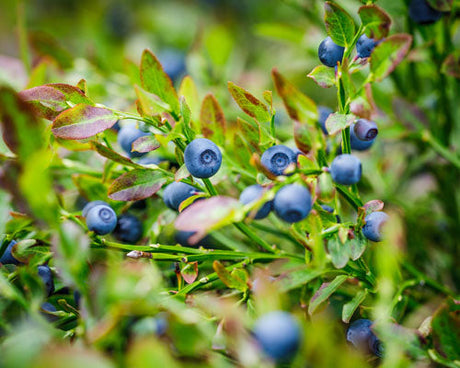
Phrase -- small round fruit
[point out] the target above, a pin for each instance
(277, 158)
(278, 335)
(92, 204)
(330, 53)
(177, 192)
(173, 63)
(7, 256)
(360, 334)
(292, 203)
(365, 46)
(324, 113)
(346, 169)
(126, 137)
(252, 194)
(128, 229)
(202, 158)
(183, 238)
(101, 219)
(422, 13)
(365, 130)
(46, 275)
(374, 224)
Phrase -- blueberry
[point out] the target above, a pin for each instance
(359, 333)
(346, 169)
(90, 205)
(129, 229)
(173, 63)
(46, 309)
(150, 160)
(373, 227)
(365, 130)
(292, 203)
(101, 219)
(47, 277)
(359, 145)
(422, 13)
(278, 335)
(126, 137)
(182, 237)
(7, 257)
(364, 46)
(327, 208)
(252, 194)
(177, 192)
(277, 158)
(202, 158)
(324, 113)
(329, 53)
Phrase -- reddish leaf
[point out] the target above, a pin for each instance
(451, 65)
(83, 121)
(374, 205)
(112, 155)
(213, 125)
(45, 101)
(190, 272)
(145, 144)
(136, 184)
(249, 104)
(375, 20)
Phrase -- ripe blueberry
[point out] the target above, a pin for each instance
(47, 277)
(90, 205)
(46, 310)
(183, 238)
(292, 203)
(126, 137)
(101, 219)
(277, 158)
(128, 229)
(373, 227)
(278, 335)
(422, 13)
(329, 53)
(202, 158)
(150, 160)
(362, 134)
(177, 192)
(359, 333)
(346, 169)
(324, 113)
(173, 63)
(252, 194)
(364, 46)
(7, 257)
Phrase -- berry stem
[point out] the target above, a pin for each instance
(210, 188)
(253, 236)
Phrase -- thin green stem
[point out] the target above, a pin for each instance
(253, 236)
(210, 188)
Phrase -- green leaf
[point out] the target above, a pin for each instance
(156, 81)
(189, 91)
(350, 307)
(375, 20)
(190, 272)
(297, 277)
(90, 188)
(136, 184)
(451, 65)
(337, 122)
(304, 136)
(83, 121)
(298, 106)
(213, 125)
(112, 155)
(324, 292)
(388, 54)
(249, 104)
(446, 329)
(250, 133)
(356, 246)
(441, 5)
(323, 76)
(231, 280)
(147, 143)
(149, 104)
(337, 251)
(339, 24)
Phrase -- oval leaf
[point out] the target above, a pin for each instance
(145, 144)
(190, 272)
(375, 20)
(212, 119)
(336, 122)
(352, 305)
(323, 76)
(249, 104)
(337, 251)
(83, 121)
(451, 65)
(339, 24)
(441, 5)
(112, 155)
(136, 184)
(324, 292)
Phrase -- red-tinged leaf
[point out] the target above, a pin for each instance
(250, 133)
(389, 54)
(304, 136)
(242, 152)
(145, 144)
(268, 97)
(336, 122)
(149, 104)
(83, 121)
(249, 104)
(323, 76)
(255, 161)
(45, 101)
(446, 329)
(156, 81)
(441, 5)
(82, 86)
(182, 173)
(136, 184)
(374, 205)
(324, 292)
(339, 24)
(451, 65)
(298, 106)
(356, 245)
(112, 155)
(190, 272)
(231, 280)
(213, 125)
(375, 20)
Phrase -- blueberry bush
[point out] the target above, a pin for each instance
(223, 183)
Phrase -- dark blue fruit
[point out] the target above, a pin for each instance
(324, 113)
(173, 63)
(183, 238)
(126, 137)
(363, 134)
(7, 257)
(277, 158)
(177, 192)
(46, 309)
(329, 53)
(359, 333)
(101, 219)
(346, 169)
(128, 229)
(202, 158)
(90, 205)
(47, 277)
(364, 46)
(422, 13)
(278, 335)
(292, 203)
(252, 194)
(374, 224)
(150, 160)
